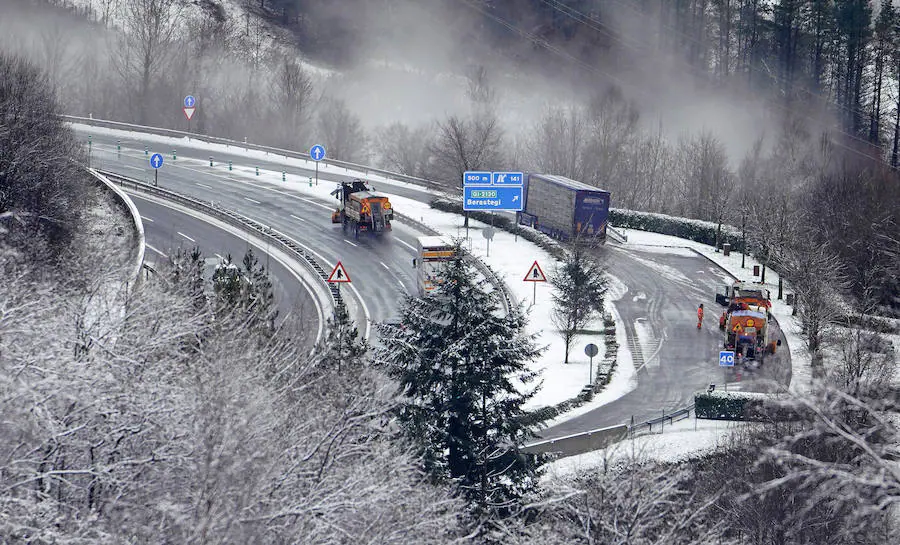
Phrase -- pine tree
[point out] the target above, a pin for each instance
(258, 294)
(462, 372)
(578, 285)
(342, 348)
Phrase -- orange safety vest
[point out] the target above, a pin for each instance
(700, 314)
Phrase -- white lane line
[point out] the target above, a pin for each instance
(296, 218)
(220, 257)
(251, 200)
(204, 185)
(408, 245)
(145, 218)
(131, 167)
(187, 237)
(351, 244)
(155, 250)
(385, 266)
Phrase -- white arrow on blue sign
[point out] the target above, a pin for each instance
(726, 358)
(476, 178)
(189, 101)
(492, 198)
(156, 160)
(317, 152)
(506, 178)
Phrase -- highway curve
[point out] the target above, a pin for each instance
(663, 287)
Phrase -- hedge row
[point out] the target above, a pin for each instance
(703, 232)
(503, 222)
(603, 376)
(746, 406)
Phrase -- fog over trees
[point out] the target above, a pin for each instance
(188, 415)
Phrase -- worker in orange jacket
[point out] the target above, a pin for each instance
(700, 316)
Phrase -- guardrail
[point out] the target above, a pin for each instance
(647, 426)
(366, 170)
(579, 443)
(132, 211)
(506, 299)
(240, 221)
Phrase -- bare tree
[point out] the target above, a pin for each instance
(150, 32)
(462, 145)
(558, 143)
(291, 92)
(402, 149)
(342, 132)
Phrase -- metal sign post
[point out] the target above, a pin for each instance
(189, 108)
(317, 153)
(726, 360)
(156, 161)
(535, 275)
(591, 350)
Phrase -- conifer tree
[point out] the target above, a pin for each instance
(342, 348)
(578, 285)
(462, 369)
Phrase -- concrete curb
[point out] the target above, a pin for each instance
(125, 201)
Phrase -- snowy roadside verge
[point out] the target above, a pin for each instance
(801, 362)
(682, 441)
(135, 218)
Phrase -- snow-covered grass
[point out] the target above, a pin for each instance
(801, 362)
(684, 440)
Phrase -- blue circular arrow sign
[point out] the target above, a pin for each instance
(156, 160)
(317, 152)
(189, 101)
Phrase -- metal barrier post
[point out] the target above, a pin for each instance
(210, 161)
(283, 178)
(174, 156)
(257, 171)
(229, 165)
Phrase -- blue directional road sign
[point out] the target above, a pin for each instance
(492, 198)
(156, 160)
(317, 152)
(726, 358)
(506, 178)
(189, 101)
(477, 178)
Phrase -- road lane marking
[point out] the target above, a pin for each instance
(385, 266)
(296, 218)
(251, 200)
(408, 245)
(155, 250)
(204, 185)
(351, 244)
(145, 218)
(187, 237)
(131, 167)
(220, 257)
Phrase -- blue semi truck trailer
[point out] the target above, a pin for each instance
(564, 208)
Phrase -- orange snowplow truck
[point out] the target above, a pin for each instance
(361, 209)
(746, 321)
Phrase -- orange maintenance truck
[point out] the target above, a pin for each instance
(746, 321)
(361, 209)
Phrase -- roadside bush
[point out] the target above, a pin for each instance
(703, 232)
(42, 189)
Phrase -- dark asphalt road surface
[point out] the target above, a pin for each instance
(167, 230)
(381, 268)
(664, 289)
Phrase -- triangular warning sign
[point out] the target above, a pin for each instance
(535, 274)
(339, 274)
(188, 112)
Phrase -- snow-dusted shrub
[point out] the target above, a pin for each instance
(700, 231)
